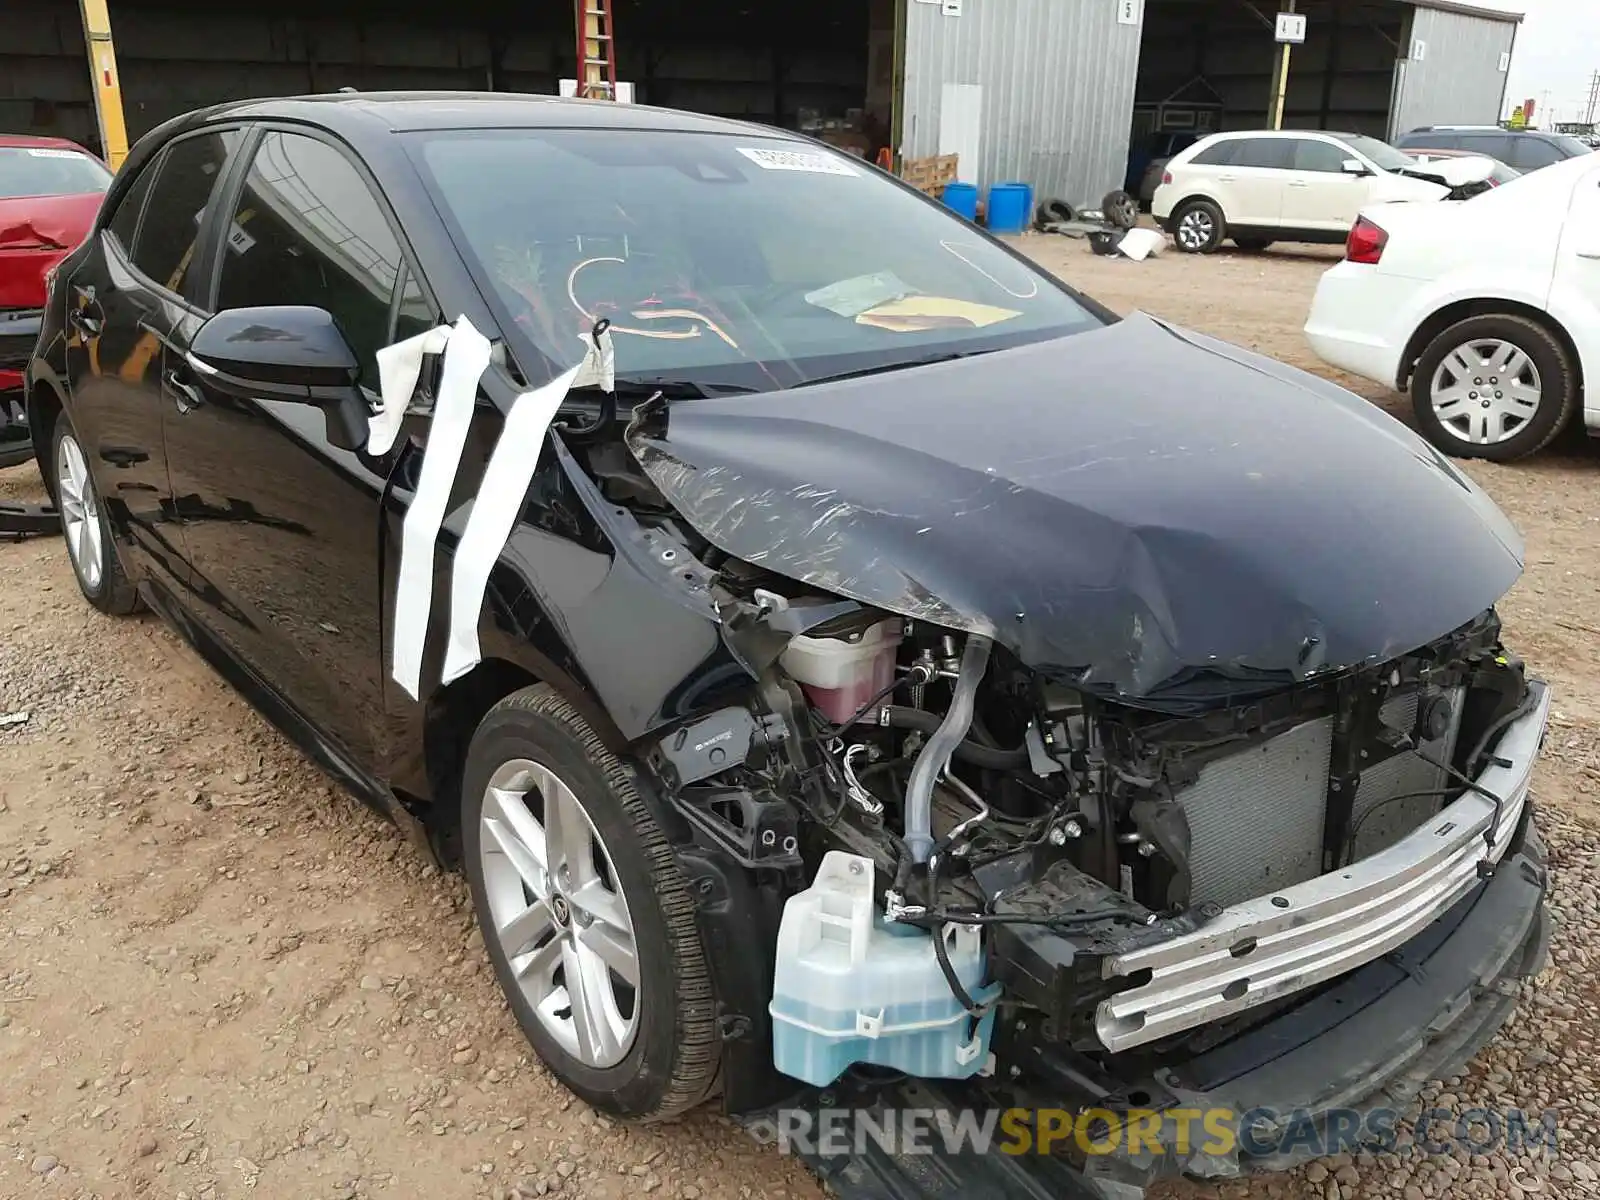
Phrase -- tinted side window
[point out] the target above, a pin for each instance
(188, 173)
(1529, 153)
(1320, 156)
(415, 314)
(1276, 153)
(125, 221)
(1218, 154)
(1495, 145)
(1430, 141)
(308, 230)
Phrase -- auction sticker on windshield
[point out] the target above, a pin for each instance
(797, 160)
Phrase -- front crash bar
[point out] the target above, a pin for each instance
(1303, 935)
(18, 521)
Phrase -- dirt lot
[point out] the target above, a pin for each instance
(219, 975)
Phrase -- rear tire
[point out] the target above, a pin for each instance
(1496, 387)
(1198, 227)
(569, 871)
(90, 548)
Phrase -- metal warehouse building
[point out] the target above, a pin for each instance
(1052, 92)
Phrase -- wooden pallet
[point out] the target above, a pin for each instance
(930, 174)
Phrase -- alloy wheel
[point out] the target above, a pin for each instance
(80, 512)
(1486, 391)
(558, 911)
(1195, 229)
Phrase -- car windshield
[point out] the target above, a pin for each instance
(1570, 146)
(49, 171)
(741, 261)
(1380, 154)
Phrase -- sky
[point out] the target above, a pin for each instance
(1558, 49)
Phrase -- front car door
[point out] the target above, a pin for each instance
(1321, 195)
(123, 302)
(282, 525)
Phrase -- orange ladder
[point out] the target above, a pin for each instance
(597, 63)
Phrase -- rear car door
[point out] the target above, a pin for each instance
(123, 302)
(1320, 194)
(282, 525)
(1257, 180)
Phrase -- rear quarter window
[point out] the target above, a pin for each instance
(1217, 154)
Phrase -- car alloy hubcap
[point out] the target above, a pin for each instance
(558, 912)
(1194, 230)
(80, 512)
(1486, 391)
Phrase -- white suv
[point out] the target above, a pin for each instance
(1258, 187)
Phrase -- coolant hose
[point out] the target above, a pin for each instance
(898, 716)
(942, 743)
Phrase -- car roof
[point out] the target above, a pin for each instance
(1478, 129)
(1287, 133)
(36, 142)
(422, 110)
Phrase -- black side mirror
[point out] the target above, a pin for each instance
(291, 353)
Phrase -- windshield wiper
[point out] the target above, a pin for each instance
(671, 389)
(904, 364)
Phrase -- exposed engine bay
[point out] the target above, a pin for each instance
(1052, 777)
(1066, 827)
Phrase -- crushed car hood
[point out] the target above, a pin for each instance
(1453, 172)
(1137, 507)
(35, 233)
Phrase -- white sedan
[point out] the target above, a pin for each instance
(1488, 311)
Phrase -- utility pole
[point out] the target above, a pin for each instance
(1281, 89)
(1593, 105)
(104, 80)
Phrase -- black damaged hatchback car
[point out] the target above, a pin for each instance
(838, 654)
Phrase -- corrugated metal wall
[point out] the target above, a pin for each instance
(1057, 79)
(1458, 79)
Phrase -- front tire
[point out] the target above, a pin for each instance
(585, 913)
(1495, 387)
(93, 554)
(1198, 227)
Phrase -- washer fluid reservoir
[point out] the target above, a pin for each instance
(851, 987)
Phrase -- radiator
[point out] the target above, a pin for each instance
(1256, 818)
(1405, 772)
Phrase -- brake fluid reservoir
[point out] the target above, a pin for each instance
(840, 674)
(851, 987)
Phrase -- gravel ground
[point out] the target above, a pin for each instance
(219, 974)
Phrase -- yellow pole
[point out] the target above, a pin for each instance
(105, 81)
(1283, 78)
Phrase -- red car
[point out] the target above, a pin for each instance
(50, 190)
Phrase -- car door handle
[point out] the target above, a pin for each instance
(184, 394)
(1298, 183)
(1588, 252)
(86, 315)
(1227, 179)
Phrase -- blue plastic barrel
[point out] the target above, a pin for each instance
(1010, 206)
(962, 198)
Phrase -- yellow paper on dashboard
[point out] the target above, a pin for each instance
(913, 314)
